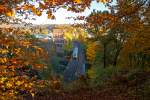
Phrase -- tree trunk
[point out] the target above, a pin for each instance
(104, 55)
(116, 56)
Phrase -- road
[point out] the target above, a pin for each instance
(76, 67)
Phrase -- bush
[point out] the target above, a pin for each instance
(101, 75)
(80, 83)
(46, 72)
(146, 92)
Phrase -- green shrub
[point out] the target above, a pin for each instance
(146, 90)
(101, 75)
(80, 83)
(46, 72)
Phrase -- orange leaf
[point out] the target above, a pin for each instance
(42, 6)
(10, 13)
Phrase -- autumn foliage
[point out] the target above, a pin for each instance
(9, 8)
(19, 66)
(119, 37)
(122, 31)
(91, 52)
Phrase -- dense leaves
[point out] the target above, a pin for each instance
(8, 7)
(118, 37)
(121, 31)
(19, 60)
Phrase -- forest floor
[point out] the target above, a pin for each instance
(88, 94)
(118, 88)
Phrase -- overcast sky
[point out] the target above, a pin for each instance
(61, 15)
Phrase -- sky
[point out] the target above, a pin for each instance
(62, 14)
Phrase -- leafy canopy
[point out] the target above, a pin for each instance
(9, 7)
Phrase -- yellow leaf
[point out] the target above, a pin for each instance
(3, 51)
(91, 73)
(10, 13)
(42, 6)
(3, 60)
(33, 94)
(8, 85)
(18, 83)
(33, 9)
(77, 1)
(50, 15)
(26, 7)
(104, 1)
(38, 12)
(3, 79)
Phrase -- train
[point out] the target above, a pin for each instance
(75, 53)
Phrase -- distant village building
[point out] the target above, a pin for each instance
(58, 36)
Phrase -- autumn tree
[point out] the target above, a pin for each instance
(128, 23)
(136, 47)
(98, 25)
(9, 8)
(91, 52)
(19, 60)
(123, 21)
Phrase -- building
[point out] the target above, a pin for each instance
(58, 38)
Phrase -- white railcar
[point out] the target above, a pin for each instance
(75, 53)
